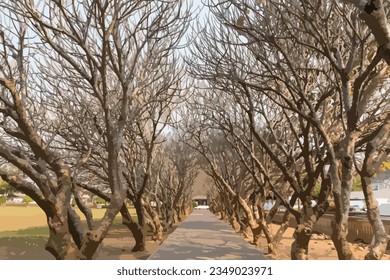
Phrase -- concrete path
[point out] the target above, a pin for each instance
(203, 237)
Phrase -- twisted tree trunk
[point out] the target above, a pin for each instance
(376, 153)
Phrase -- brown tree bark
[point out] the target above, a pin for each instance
(376, 152)
(256, 228)
(60, 243)
(158, 229)
(300, 246)
(282, 229)
(302, 234)
(135, 229)
(339, 223)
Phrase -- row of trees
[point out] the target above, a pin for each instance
(87, 92)
(289, 97)
(292, 96)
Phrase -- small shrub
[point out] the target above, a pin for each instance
(357, 184)
(316, 190)
(100, 200)
(27, 199)
(3, 184)
(3, 200)
(3, 187)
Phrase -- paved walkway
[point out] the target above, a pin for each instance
(203, 237)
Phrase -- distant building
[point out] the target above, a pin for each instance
(15, 198)
(200, 200)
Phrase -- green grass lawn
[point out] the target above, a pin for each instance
(24, 231)
(31, 221)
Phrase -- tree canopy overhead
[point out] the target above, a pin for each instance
(282, 101)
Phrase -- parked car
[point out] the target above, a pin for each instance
(384, 206)
(384, 209)
(357, 206)
(202, 207)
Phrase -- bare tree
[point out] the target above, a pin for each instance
(316, 63)
(100, 54)
(26, 138)
(177, 168)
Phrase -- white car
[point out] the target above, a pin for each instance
(202, 207)
(357, 206)
(384, 209)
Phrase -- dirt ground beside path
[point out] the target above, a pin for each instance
(117, 246)
(319, 248)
